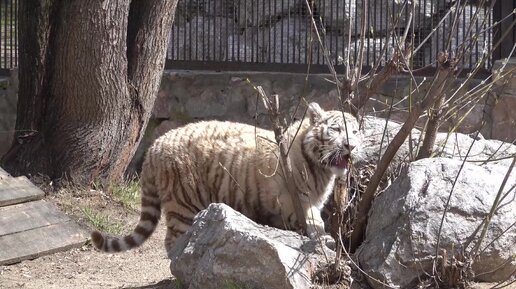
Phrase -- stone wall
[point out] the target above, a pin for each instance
(187, 96)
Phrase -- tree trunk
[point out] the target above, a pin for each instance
(89, 74)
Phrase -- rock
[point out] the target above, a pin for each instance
(403, 226)
(375, 141)
(456, 145)
(450, 145)
(223, 245)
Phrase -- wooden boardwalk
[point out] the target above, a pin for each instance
(29, 226)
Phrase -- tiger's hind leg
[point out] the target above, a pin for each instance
(170, 239)
(178, 221)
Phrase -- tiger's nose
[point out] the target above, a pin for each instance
(349, 147)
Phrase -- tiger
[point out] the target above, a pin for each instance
(238, 164)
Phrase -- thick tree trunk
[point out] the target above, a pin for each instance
(89, 74)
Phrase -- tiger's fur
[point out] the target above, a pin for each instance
(201, 163)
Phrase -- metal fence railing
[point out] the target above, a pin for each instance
(8, 35)
(279, 35)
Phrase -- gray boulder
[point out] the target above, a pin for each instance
(378, 133)
(225, 246)
(403, 227)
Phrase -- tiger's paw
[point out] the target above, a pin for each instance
(325, 239)
(328, 241)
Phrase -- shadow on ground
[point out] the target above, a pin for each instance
(163, 284)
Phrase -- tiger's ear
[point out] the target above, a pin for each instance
(315, 112)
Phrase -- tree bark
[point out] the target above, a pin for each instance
(89, 74)
(432, 127)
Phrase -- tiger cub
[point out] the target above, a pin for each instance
(201, 163)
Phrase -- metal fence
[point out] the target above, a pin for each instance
(280, 35)
(8, 35)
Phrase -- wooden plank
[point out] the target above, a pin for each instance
(18, 190)
(40, 241)
(27, 216)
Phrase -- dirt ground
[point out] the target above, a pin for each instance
(144, 267)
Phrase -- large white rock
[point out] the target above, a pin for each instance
(403, 227)
(378, 134)
(225, 246)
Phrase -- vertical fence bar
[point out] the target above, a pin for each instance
(16, 34)
(444, 34)
(215, 44)
(272, 13)
(3, 36)
(299, 33)
(373, 34)
(423, 33)
(256, 29)
(314, 46)
(288, 32)
(263, 57)
(489, 39)
(282, 35)
(275, 25)
(198, 16)
(226, 13)
(245, 31)
(237, 29)
(306, 27)
(380, 35)
(252, 30)
(476, 31)
(11, 44)
(294, 34)
(465, 37)
(336, 32)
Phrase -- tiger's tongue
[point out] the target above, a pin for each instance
(341, 162)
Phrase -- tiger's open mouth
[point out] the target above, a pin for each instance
(340, 161)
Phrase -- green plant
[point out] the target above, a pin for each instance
(128, 193)
(101, 221)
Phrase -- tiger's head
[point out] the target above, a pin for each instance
(331, 138)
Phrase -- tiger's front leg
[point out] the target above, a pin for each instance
(315, 227)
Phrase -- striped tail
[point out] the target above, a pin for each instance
(149, 217)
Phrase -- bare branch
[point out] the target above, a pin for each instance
(272, 107)
(445, 70)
